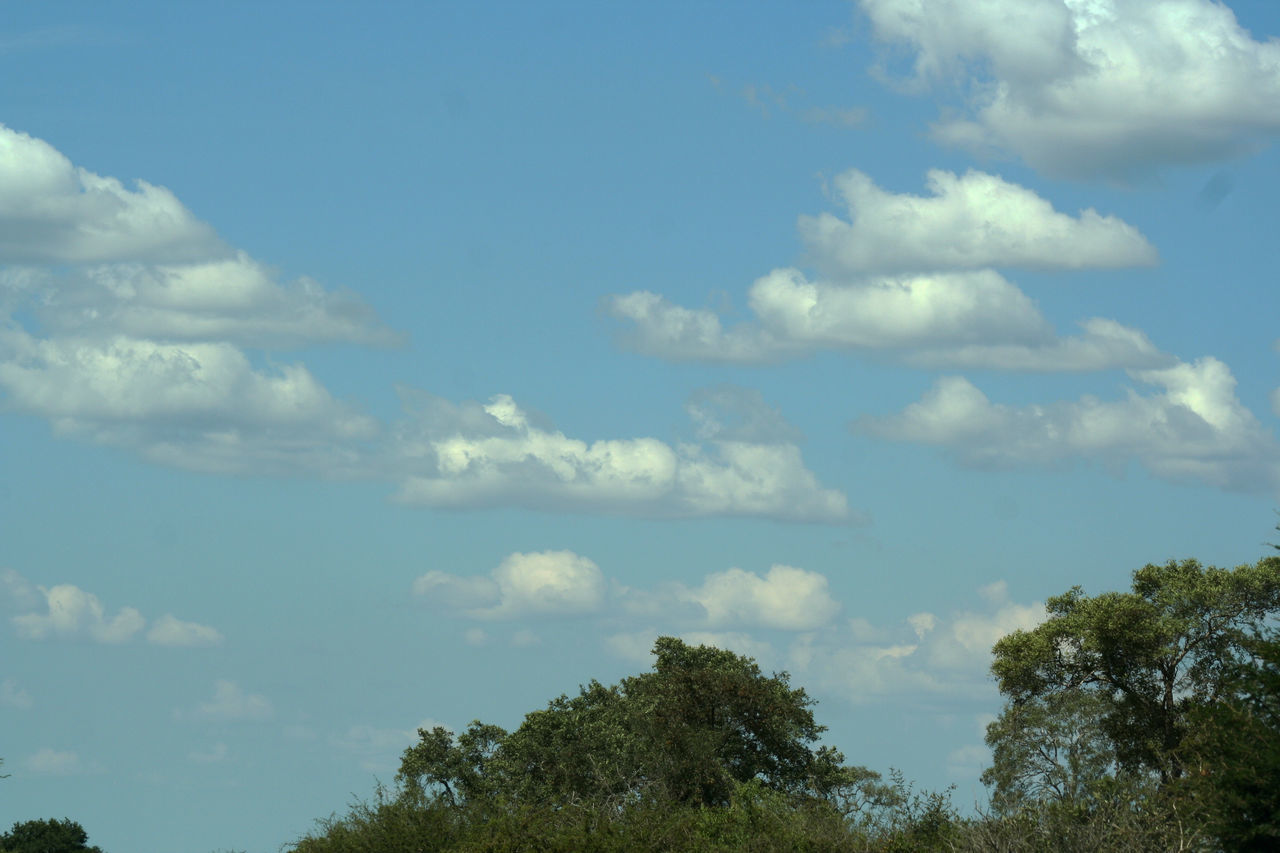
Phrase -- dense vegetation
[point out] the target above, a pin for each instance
(1144, 720)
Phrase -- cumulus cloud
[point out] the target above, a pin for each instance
(54, 212)
(142, 314)
(72, 612)
(971, 221)
(1093, 89)
(1194, 429)
(230, 702)
(195, 405)
(168, 630)
(784, 597)
(927, 655)
(975, 318)
(234, 299)
(546, 583)
(67, 611)
(473, 455)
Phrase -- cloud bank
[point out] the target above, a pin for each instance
(126, 321)
(913, 279)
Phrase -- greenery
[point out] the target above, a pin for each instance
(47, 836)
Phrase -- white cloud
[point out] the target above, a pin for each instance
(230, 702)
(976, 319)
(142, 313)
(1104, 345)
(232, 299)
(66, 610)
(171, 631)
(927, 655)
(547, 583)
(1195, 429)
(785, 597)
(70, 612)
(54, 212)
(195, 405)
(1089, 88)
(471, 455)
(52, 762)
(12, 695)
(661, 328)
(972, 221)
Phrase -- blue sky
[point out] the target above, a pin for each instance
(370, 367)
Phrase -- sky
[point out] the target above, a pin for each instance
(373, 366)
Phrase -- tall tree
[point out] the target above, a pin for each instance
(704, 721)
(1149, 656)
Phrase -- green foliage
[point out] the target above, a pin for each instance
(47, 836)
(704, 722)
(1148, 658)
(1234, 753)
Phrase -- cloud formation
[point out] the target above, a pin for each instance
(971, 221)
(546, 583)
(231, 703)
(473, 455)
(784, 598)
(975, 318)
(1092, 89)
(67, 611)
(54, 212)
(926, 656)
(913, 278)
(125, 321)
(1193, 430)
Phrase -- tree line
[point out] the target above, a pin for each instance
(1145, 720)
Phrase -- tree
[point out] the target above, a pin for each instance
(702, 723)
(1235, 747)
(1147, 657)
(47, 836)
(1049, 748)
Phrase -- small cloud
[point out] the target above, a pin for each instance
(71, 612)
(546, 583)
(230, 702)
(171, 631)
(52, 762)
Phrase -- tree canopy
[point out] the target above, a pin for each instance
(704, 721)
(47, 836)
(1150, 656)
